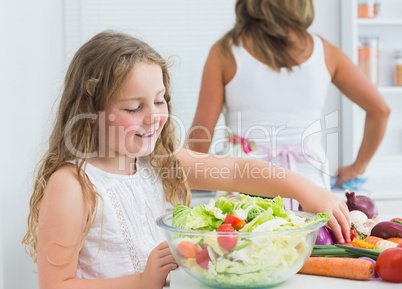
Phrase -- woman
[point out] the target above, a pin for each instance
(271, 77)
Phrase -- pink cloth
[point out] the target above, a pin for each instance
(289, 155)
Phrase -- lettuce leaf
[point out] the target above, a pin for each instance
(197, 218)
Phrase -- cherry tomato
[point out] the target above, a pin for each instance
(236, 222)
(203, 258)
(352, 234)
(227, 242)
(352, 245)
(389, 265)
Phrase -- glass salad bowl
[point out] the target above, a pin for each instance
(257, 259)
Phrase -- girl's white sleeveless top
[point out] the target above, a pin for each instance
(124, 232)
(280, 111)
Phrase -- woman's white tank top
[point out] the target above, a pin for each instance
(261, 103)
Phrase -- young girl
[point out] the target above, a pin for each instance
(113, 162)
(272, 76)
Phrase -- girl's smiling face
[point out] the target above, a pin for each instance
(135, 118)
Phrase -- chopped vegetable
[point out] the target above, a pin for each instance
(187, 249)
(361, 203)
(384, 244)
(349, 268)
(236, 222)
(351, 244)
(203, 258)
(227, 242)
(197, 218)
(363, 244)
(224, 205)
(389, 265)
(387, 230)
(373, 239)
(395, 240)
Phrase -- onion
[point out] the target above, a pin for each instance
(332, 235)
(361, 203)
(372, 261)
(324, 237)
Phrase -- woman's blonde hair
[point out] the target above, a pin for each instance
(266, 23)
(96, 74)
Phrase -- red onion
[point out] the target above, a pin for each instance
(324, 237)
(361, 203)
(372, 261)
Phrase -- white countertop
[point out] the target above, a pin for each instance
(181, 280)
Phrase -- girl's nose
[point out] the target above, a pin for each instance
(151, 117)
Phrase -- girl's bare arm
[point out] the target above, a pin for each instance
(62, 221)
(209, 172)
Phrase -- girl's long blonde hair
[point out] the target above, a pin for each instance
(266, 23)
(96, 73)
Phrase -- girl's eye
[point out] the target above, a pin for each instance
(133, 110)
(160, 102)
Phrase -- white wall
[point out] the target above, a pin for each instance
(31, 68)
(31, 77)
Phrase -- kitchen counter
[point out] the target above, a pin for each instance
(181, 280)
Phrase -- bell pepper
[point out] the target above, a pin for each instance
(363, 244)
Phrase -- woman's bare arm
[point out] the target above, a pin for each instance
(357, 87)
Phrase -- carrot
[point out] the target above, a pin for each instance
(395, 240)
(373, 240)
(187, 249)
(348, 268)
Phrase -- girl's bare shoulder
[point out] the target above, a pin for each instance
(65, 174)
(64, 185)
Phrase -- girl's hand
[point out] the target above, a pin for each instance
(347, 173)
(160, 263)
(325, 201)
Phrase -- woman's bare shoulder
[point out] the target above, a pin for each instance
(333, 55)
(223, 60)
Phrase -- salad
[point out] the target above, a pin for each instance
(256, 245)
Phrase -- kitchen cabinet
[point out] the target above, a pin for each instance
(385, 169)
